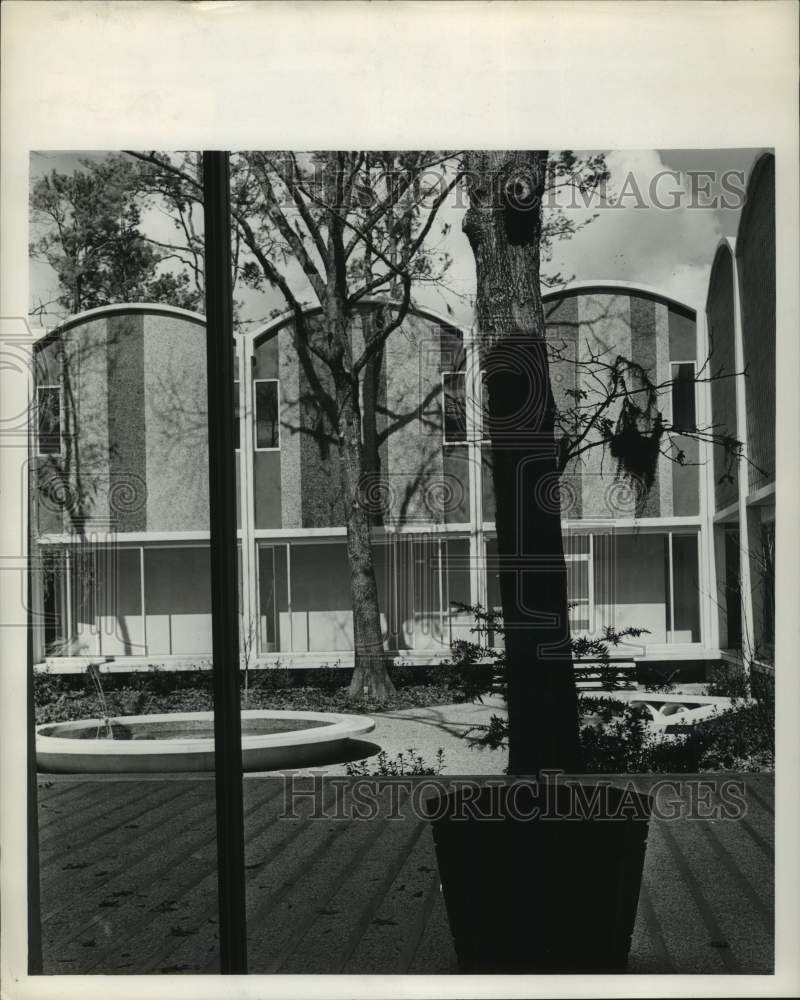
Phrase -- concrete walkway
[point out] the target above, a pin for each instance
(426, 730)
(128, 879)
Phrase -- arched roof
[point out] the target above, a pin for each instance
(761, 164)
(120, 308)
(614, 285)
(261, 332)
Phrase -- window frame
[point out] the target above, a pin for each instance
(50, 454)
(256, 382)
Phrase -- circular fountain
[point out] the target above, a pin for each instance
(271, 740)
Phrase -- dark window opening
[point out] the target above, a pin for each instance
(236, 416)
(48, 409)
(267, 410)
(454, 405)
(684, 416)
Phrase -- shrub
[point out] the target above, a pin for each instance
(329, 679)
(728, 680)
(403, 675)
(741, 739)
(413, 765)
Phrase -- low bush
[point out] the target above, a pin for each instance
(741, 739)
(409, 764)
(330, 679)
(65, 698)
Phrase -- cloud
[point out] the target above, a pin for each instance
(668, 248)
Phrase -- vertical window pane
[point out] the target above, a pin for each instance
(683, 404)
(178, 600)
(686, 589)
(454, 407)
(54, 602)
(48, 398)
(267, 430)
(578, 593)
(236, 416)
(631, 583)
(322, 608)
(266, 597)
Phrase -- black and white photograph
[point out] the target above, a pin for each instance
(400, 583)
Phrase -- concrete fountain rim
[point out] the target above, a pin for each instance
(338, 727)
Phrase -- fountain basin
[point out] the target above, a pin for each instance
(184, 741)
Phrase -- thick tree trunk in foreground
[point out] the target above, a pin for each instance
(370, 676)
(503, 225)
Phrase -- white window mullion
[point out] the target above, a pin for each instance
(671, 592)
(142, 599)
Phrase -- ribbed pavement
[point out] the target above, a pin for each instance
(128, 878)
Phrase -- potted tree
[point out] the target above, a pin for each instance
(538, 874)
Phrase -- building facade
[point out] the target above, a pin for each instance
(740, 312)
(121, 494)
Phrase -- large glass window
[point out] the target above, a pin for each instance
(267, 399)
(178, 600)
(684, 417)
(48, 420)
(322, 610)
(685, 624)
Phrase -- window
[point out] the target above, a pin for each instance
(578, 557)
(267, 394)
(683, 402)
(486, 420)
(454, 407)
(268, 622)
(237, 434)
(48, 420)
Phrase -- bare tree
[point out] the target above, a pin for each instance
(351, 225)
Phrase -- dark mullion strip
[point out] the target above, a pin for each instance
(224, 571)
(393, 870)
(411, 947)
(695, 891)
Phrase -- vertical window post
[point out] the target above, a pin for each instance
(224, 589)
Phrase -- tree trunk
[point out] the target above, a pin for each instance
(370, 676)
(503, 225)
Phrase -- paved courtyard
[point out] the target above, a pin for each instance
(128, 874)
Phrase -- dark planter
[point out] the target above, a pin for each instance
(540, 878)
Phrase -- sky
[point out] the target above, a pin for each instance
(663, 213)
